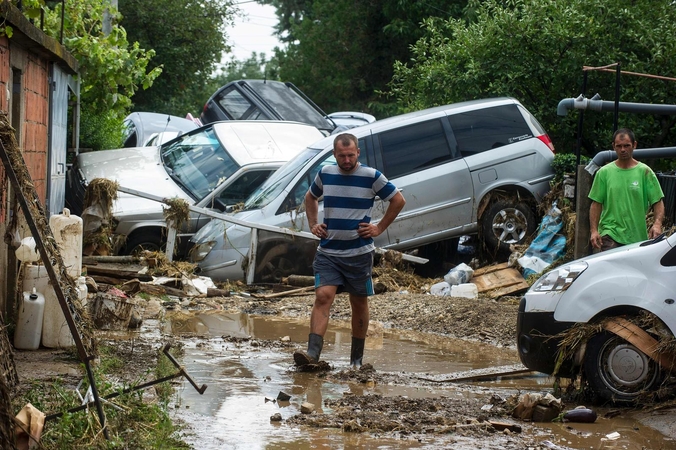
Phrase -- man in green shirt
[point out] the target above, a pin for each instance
(622, 194)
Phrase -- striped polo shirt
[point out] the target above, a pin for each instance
(348, 201)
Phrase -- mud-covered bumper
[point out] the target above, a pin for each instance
(536, 343)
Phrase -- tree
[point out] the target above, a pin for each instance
(189, 38)
(341, 52)
(111, 69)
(535, 50)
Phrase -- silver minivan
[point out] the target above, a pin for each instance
(212, 167)
(477, 166)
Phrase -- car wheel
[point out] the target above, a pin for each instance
(277, 262)
(617, 371)
(505, 223)
(150, 240)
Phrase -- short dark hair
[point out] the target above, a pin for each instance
(626, 131)
(345, 139)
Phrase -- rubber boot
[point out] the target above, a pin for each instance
(314, 349)
(357, 352)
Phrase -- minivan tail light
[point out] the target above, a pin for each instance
(547, 141)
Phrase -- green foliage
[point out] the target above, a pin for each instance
(188, 38)
(111, 69)
(535, 50)
(99, 130)
(566, 163)
(341, 52)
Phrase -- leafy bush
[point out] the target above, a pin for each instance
(565, 163)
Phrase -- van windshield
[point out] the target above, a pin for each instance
(279, 181)
(198, 162)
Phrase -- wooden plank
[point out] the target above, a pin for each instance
(284, 293)
(498, 280)
(117, 273)
(488, 373)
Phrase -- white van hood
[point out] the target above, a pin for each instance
(138, 168)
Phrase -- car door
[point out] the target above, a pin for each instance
(435, 181)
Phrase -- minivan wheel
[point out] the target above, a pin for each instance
(505, 223)
(617, 371)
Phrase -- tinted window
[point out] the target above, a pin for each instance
(414, 147)
(242, 187)
(235, 105)
(484, 129)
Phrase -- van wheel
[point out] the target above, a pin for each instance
(617, 371)
(150, 240)
(505, 223)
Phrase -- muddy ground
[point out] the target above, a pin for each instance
(471, 424)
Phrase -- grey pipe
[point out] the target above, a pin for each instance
(605, 156)
(606, 106)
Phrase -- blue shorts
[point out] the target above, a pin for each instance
(351, 274)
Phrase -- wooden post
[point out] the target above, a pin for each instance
(582, 204)
(171, 240)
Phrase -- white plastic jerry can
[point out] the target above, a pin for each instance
(29, 324)
(67, 230)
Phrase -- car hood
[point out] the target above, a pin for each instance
(138, 168)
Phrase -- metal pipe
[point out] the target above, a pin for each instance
(608, 106)
(605, 156)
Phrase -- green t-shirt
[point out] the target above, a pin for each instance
(626, 196)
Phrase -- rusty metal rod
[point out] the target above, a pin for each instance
(55, 280)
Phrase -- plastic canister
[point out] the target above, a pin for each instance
(82, 292)
(441, 289)
(55, 330)
(29, 324)
(67, 230)
(26, 251)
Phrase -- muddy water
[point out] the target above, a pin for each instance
(244, 381)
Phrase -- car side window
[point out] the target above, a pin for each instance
(414, 147)
(237, 106)
(484, 129)
(240, 189)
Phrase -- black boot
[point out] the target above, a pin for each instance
(357, 352)
(314, 349)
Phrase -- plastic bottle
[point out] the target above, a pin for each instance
(67, 231)
(29, 324)
(26, 251)
(55, 330)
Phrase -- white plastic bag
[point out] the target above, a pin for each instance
(460, 274)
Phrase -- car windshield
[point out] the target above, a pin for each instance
(198, 162)
(279, 181)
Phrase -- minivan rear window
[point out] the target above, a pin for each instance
(409, 149)
(484, 129)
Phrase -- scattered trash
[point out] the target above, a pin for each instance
(613, 436)
(283, 397)
(111, 312)
(440, 289)
(548, 245)
(26, 251)
(461, 273)
(465, 290)
(580, 414)
(276, 417)
(29, 424)
(527, 402)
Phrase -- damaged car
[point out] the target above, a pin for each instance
(212, 167)
(477, 166)
(608, 316)
(275, 100)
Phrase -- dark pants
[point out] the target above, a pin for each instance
(607, 243)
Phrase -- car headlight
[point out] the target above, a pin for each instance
(560, 278)
(200, 251)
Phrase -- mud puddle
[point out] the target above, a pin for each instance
(246, 362)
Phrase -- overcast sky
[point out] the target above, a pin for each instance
(253, 31)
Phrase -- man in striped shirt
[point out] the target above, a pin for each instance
(344, 258)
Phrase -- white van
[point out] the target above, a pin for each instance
(610, 290)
